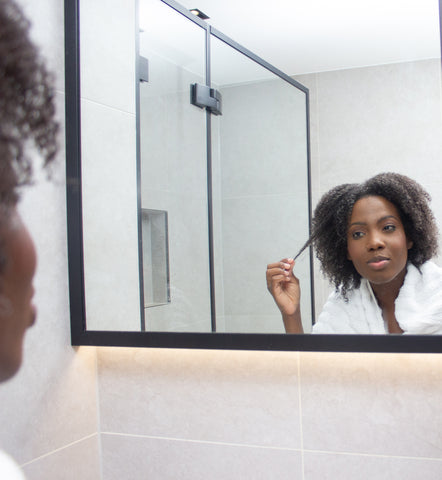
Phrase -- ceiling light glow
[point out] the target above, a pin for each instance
(199, 13)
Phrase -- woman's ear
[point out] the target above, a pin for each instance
(409, 244)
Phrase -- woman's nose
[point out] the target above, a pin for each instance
(375, 242)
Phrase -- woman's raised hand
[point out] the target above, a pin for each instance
(285, 290)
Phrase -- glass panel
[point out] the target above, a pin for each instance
(260, 187)
(109, 172)
(173, 162)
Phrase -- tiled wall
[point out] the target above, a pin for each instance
(48, 415)
(285, 415)
(203, 414)
(263, 215)
(109, 175)
(168, 414)
(375, 119)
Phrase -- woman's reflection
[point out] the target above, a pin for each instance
(374, 241)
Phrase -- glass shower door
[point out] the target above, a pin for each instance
(260, 190)
(173, 173)
(224, 181)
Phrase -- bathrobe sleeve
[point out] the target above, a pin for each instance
(9, 469)
(418, 307)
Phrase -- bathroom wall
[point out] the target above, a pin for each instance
(287, 415)
(109, 174)
(204, 414)
(48, 415)
(375, 119)
(263, 213)
(168, 414)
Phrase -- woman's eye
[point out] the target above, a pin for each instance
(390, 228)
(356, 235)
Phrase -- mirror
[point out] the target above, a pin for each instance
(110, 220)
(212, 177)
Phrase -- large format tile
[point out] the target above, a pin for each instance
(329, 466)
(221, 396)
(257, 231)
(382, 404)
(110, 222)
(263, 139)
(383, 118)
(78, 461)
(137, 458)
(107, 52)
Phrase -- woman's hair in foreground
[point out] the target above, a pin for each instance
(333, 212)
(26, 104)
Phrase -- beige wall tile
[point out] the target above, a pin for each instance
(387, 404)
(383, 118)
(329, 466)
(221, 396)
(109, 198)
(162, 459)
(74, 462)
(107, 53)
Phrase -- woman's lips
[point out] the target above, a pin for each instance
(378, 263)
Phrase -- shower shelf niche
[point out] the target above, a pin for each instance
(155, 258)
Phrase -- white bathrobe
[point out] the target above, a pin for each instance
(9, 469)
(418, 307)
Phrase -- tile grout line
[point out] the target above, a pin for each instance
(101, 104)
(300, 416)
(269, 447)
(97, 400)
(205, 442)
(59, 449)
(377, 455)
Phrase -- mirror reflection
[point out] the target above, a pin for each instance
(173, 165)
(212, 176)
(375, 242)
(364, 119)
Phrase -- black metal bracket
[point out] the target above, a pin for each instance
(203, 96)
(143, 69)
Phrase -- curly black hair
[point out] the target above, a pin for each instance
(333, 212)
(27, 110)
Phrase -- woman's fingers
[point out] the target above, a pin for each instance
(283, 285)
(279, 272)
(284, 263)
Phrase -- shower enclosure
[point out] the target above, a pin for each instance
(223, 173)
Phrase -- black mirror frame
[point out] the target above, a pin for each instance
(81, 336)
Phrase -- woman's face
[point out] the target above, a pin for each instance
(376, 241)
(17, 312)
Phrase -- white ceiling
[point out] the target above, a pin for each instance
(319, 35)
